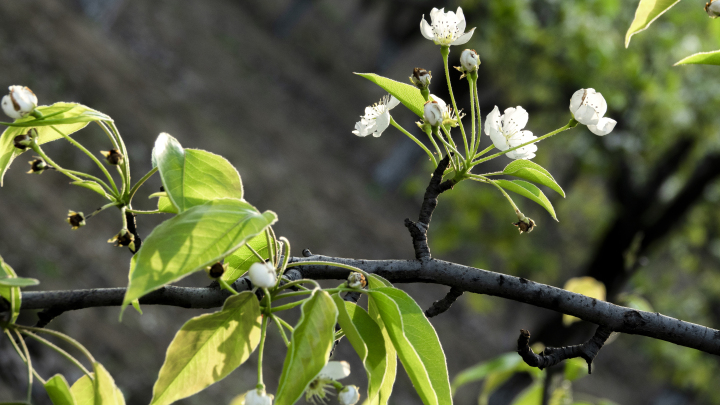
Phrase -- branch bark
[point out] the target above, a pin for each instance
(614, 317)
(554, 355)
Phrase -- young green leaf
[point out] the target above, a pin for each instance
(416, 342)
(376, 281)
(18, 281)
(309, 347)
(409, 95)
(65, 117)
(84, 390)
(164, 204)
(495, 372)
(207, 348)
(528, 170)
(528, 190)
(367, 340)
(192, 177)
(92, 185)
(647, 12)
(240, 260)
(531, 395)
(59, 391)
(10, 293)
(385, 389)
(106, 393)
(192, 240)
(701, 58)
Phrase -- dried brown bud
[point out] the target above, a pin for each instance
(113, 157)
(421, 78)
(124, 238)
(38, 166)
(75, 219)
(356, 280)
(216, 270)
(525, 227)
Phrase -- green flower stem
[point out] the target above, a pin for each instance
(275, 244)
(445, 50)
(124, 217)
(409, 135)
(36, 148)
(555, 132)
(87, 152)
(140, 182)
(126, 160)
(226, 286)
(22, 357)
(62, 352)
(93, 178)
(455, 159)
(300, 293)
(28, 361)
(281, 329)
(286, 258)
(263, 335)
(479, 116)
(103, 208)
(472, 115)
(262, 259)
(271, 248)
(483, 179)
(144, 212)
(493, 174)
(319, 263)
(109, 134)
(60, 336)
(486, 150)
(292, 284)
(284, 324)
(287, 306)
(437, 148)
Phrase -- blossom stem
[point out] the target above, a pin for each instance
(472, 115)
(445, 51)
(479, 115)
(409, 135)
(285, 260)
(486, 150)
(271, 246)
(140, 182)
(555, 132)
(126, 161)
(456, 158)
(22, 356)
(484, 179)
(62, 352)
(227, 286)
(140, 212)
(287, 306)
(437, 148)
(281, 329)
(103, 208)
(261, 347)
(93, 178)
(61, 336)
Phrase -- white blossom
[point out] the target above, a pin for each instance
(506, 132)
(258, 397)
(433, 112)
(376, 118)
(712, 8)
(469, 60)
(349, 395)
(20, 102)
(317, 390)
(446, 112)
(335, 370)
(588, 107)
(445, 28)
(262, 275)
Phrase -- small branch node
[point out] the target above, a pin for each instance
(306, 252)
(442, 305)
(554, 355)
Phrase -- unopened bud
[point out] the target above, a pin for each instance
(20, 102)
(38, 166)
(124, 238)
(113, 157)
(75, 219)
(216, 270)
(433, 113)
(712, 8)
(24, 141)
(356, 280)
(349, 395)
(525, 226)
(421, 78)
(470, 60)
(262, 275)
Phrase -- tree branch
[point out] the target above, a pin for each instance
(554, 355)
(442, 305)
(614, 317)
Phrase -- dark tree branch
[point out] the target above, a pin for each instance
(442, 305)
(554, 355)
(418, 230)
(614, 317)
(132, 228)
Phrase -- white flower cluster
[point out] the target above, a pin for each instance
(506, 132)
(376, 118)
(446, 28)
(588, 108)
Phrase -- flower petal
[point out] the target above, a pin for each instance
(393, 102)
(586, 115)
(464, 38)
(514, 120)
(597, 102)
(426, 29)
(604, 126)
(492, 121)
(381, 123)
(576, 100)
(441, 103)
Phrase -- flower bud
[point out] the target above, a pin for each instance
(113, 157)
(433, 113)
(262, 275)
(124, 238)
(216, 270)
(470, 60)
(421, 78)
(335, 370)
(38, 166)
(356, 280)
(712, 8)
(75, 219)
(349, 395)
(525, 226)
(20, 102)
(258, 397)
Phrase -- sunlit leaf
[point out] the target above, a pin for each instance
(575, 368)
(208, 347)
(645, 14)
(10, 293)
(528, 170)
(417, 344)
(587, 286)
(701, 58)
(309, 347)
(18, 281)
(376, 281)
(390, 353)
(67, 118)
(58, 390)
(409, 95)
(240, 260)
(83, 391)
(164, 204)
(531, 395)
(192, 240)
(106, 393)
(528, 190)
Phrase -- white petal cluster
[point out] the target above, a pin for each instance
(712, 8)
(437, 112)
(469, 60)
(445, 28)
(376, 118)
(335, 370)
(262, 275)
(349, 395)
(258, 397)
(506, 132)
(588, 108)
(20, 102)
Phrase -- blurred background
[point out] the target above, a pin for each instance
(269, 85)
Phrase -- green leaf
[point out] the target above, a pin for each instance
(528, 190)
(647, 12)
(390, 353)
(367, 340)
(106, 393)
(587, 286)
(309, 347)
(416, 342)
(409, 95)
(192, 240)
(208, 347)
(192, 177)
(702, 58)
(65, 117)
(18, 282)
(240, 260)
(164, 203)
(58, 390)
(92, 185)
(10, 293)
(575, 368)
(502, 363)
(83, 391)
(531, 395)
(376, 281)
(528, 170)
